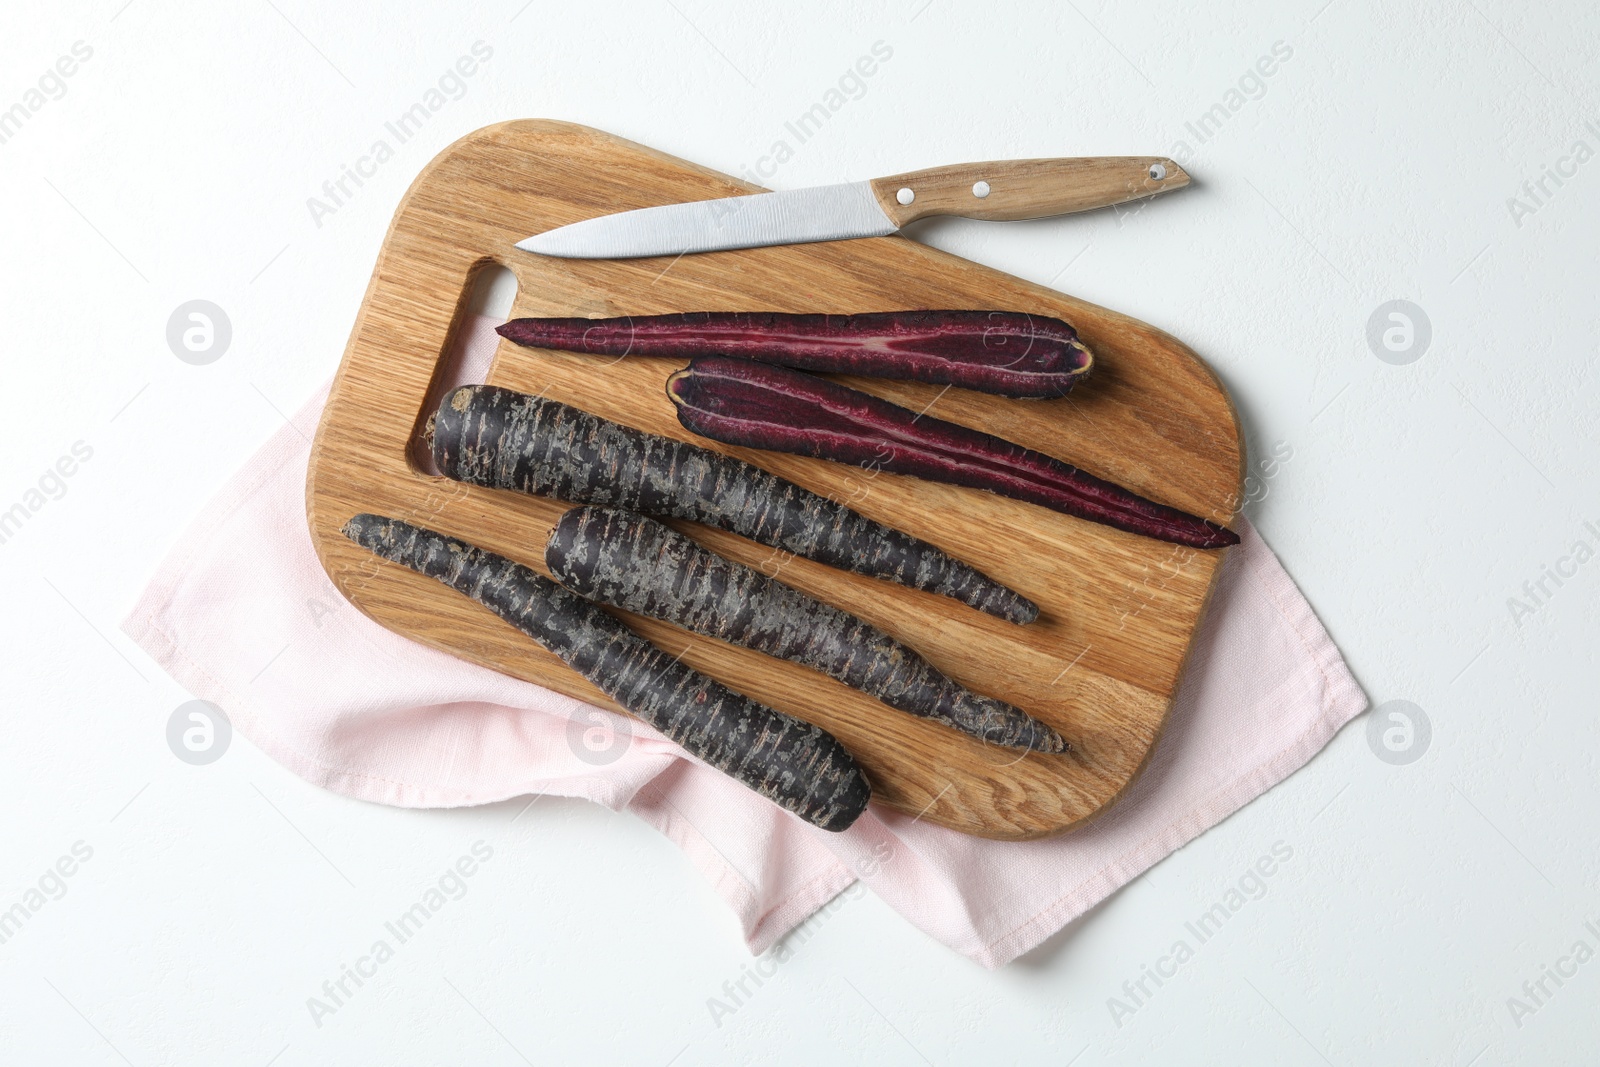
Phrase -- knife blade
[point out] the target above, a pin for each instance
(999, 191)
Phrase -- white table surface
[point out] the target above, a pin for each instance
(1379, 161)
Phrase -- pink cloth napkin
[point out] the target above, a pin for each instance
(241, 614)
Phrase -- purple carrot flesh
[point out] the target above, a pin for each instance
(755, 405)
(796, 765)
(1010, 353)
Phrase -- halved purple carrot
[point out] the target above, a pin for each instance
(1009, 353)
(739, 402)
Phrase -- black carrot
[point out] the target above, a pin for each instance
(792, 763)
(495, 437)
(740, 402)
(635, 563)
(1010, 353)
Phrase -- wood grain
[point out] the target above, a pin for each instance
(1118, 611)
(1026, 188)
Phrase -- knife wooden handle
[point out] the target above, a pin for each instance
(1011, 189)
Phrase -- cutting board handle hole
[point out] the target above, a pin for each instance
(487, 297)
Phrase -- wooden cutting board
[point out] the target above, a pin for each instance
(1118, 611)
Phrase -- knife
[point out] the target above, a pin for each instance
(1001, 191)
